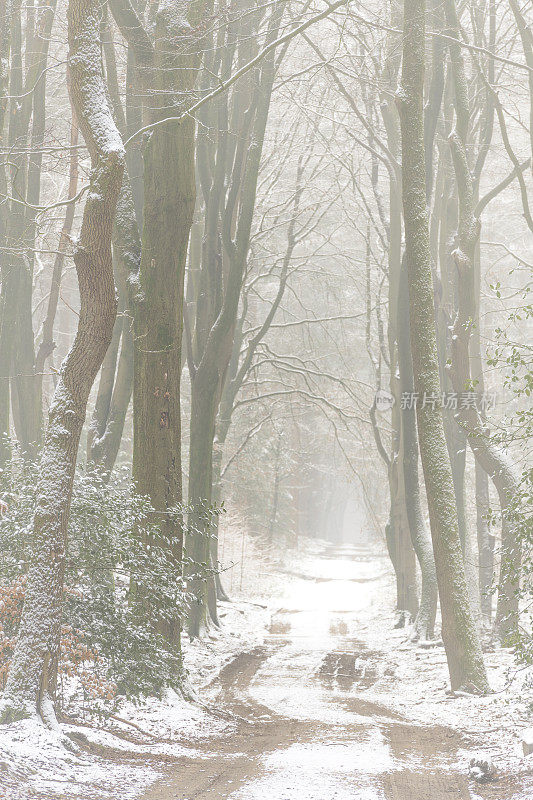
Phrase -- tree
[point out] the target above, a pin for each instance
(459, 633)
(27, 115)
(490, 457)
(168, 65)
(31, 682)
(229, 203)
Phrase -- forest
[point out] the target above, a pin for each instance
(266, 379)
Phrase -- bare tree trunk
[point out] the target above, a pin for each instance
(425, 619)
(491, 458)
(116, 376)
(526, 35)
(217, 499)
(485, 542)
(485, 539)
(216, 325)
(459, 632)
(4, 265)
(115, 392)
(275, 493)
(169, 200)
(31, 679)
(17, 340)
(47, 345)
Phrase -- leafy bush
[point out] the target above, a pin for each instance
(123, 588)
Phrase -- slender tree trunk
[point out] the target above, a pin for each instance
(405, 560)
(31, 677)
(47, 345)
(401, 555)
(25, 174)
(485, 543)
(4, 265)
(216, 326)
(459, 632)
(275, 492)
(493, 461)
(485, 539)
(204, 398)
(526, 36)
(14, 180)
(425, 620)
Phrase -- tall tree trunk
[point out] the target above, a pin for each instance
(485, 539)
(25, 184)
(459, 632)
(491, 458)
(216, 324)
(31, 679)
(47, 345)
(526, 36)
(169, 200)
(4, 266)
(493, 461)
(485, 542)
(425, 620)
(116, 376)
(401, 536)
(275, 492)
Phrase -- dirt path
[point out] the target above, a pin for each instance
(303, 729)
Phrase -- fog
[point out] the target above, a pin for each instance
(265, 399)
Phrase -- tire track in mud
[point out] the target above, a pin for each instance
(263, 740)
(228, 762)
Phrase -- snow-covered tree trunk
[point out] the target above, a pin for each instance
(459, 632)
(31, 678)
(492, 459)
(115, 386)
(488, 454)
(4, 360)
(425, 620)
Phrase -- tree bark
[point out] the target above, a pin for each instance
(216, 320)
(116, 376)
(4, 266)
(490, 457)
(169, 200)
(17, 340)
(425, 620)
(31, 679)
(459, 632)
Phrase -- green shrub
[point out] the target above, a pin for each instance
(122, 587)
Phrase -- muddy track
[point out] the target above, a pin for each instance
(238, 755)
(227, 763)
(299, 720)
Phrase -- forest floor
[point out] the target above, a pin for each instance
(309, 696)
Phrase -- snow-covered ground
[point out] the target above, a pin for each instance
(316, 613)
(125, 752)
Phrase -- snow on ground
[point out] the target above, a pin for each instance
(416, 684)
(128, 752)
(315, 773)
(243, 626)
(35, 765)
(413, 679)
